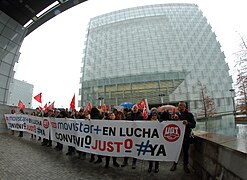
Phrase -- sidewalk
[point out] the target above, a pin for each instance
(23, 158)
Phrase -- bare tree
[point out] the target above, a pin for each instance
(208, 105)
(241, 85)
(241, 80)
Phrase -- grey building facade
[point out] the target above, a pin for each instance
(157, 52)
(20, 90)
(11, 38)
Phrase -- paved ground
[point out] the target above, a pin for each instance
(23, 158)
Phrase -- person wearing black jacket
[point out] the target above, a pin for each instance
(134, 115)
(112, 117)
(95, 114)
(190, 123)
(154, 117)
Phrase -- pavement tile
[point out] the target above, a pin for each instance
(25, 158)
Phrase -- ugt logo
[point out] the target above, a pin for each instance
(171, 132)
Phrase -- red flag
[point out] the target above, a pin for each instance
(45, 106)
(143, 105)
(103, 107)
(108, 108)
(51, 106)
(89, 107)
(38, 97)
(21, 105)
(72, 103)
(145, 114)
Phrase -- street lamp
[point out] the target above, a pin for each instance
(162, 98)
(233, 102)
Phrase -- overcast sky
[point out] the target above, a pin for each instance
(51, 55)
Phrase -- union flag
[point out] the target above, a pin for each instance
(72, 103)
(88, 108)
(143, 105)
(21, 105)
(51, 106)
(38, 97)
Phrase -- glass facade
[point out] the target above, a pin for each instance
(11, 37)
(157, 52)
(20, 90)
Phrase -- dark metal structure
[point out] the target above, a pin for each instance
(33, 13)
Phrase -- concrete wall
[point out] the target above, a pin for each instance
(215, 156)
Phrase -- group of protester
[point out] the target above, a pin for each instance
(126, 114)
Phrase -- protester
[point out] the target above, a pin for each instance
(12, 112)
(95, 114)
(21, 132)
(154, 109)
(154, 117)
(82, 154)
(134, 115)
(107, 158)
(190, 123)
(164, 116)
(59, 146)
(33, 114)
(120, 116)
(71, 149)
(47, 142)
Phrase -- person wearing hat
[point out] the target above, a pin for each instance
(154, 117)
(154, 109)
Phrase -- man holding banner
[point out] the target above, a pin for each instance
(190, 123)
(135, 115)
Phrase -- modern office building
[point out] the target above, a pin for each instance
(20, 90)
(157, 52)
(19, 18)
(11, 37)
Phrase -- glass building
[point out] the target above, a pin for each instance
(20, 90)
(11, 38)
(157, 52)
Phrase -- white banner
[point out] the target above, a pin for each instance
(148, 140)
(39, 126)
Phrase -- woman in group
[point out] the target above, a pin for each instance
(107, 158)
(154, 117)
